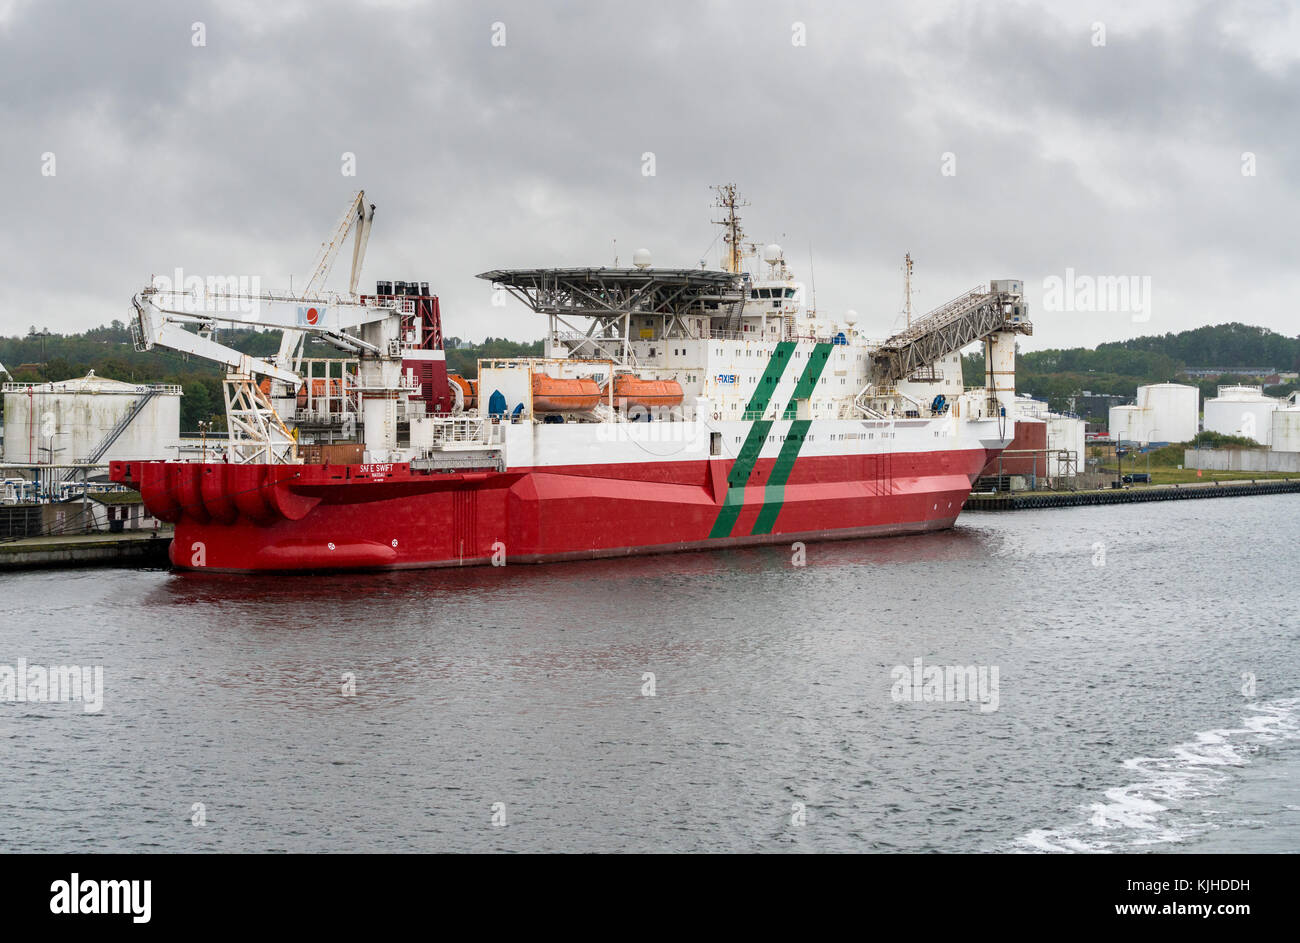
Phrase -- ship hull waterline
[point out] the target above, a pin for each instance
(276, 518)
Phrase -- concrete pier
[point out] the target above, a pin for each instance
(126, 549)
(1030, 500)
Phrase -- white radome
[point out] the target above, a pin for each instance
(641, 258)
(772, 253)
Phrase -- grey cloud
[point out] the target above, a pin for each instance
(226, 158)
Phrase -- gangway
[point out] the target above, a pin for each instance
(971, 316)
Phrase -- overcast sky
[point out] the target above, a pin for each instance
(1122, 158)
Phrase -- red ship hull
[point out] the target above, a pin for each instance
(247, 518)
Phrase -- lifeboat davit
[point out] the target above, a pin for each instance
(468, 389)
(562, 395)
(632, 390)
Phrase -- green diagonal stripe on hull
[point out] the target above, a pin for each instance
(748, 457)
(774, 494)
(817, 360)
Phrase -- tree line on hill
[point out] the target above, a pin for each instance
(110, 352)
(1120, 367)
(1054, 375)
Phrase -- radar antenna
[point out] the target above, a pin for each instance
(733, 236)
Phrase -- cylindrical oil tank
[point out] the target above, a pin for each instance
(67, 420)
(564, 395)
(1286, 429)
(1066, 434)
(1172, 412)
(1126, 424)
(1242, 411)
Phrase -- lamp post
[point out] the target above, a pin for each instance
(42, 334)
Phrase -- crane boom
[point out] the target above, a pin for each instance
(369, 329)
(356, 216)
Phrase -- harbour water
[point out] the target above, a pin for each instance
(1143, 662)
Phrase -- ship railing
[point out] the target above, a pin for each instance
(759, 336)
(68, 386)
(579, 336)
(465, 431)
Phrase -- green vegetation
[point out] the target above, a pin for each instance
(108, 350)
(1121, 367)
(1183, 476)
(1055, 375)
(1172, 455)
(464, 360)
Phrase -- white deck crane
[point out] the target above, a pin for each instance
(370, 330)
(356, 217)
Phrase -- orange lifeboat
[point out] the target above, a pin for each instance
(562, 395)
(468, 389)
(632, 390)
(318, 388)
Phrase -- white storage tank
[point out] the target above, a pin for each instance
(1285, 429)
(1242, 411)
(1065, 434)
(68, 420)
(1126, 424)
(1172, 412)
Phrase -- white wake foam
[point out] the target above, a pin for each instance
(1150, 810)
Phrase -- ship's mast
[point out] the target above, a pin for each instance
(734, 236)
(907, 287)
